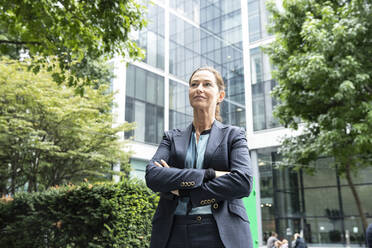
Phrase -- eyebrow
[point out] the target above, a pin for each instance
(207, 80)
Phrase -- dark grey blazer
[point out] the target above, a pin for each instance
(226, 150)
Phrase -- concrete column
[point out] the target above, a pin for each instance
(166, 65)
(118, 85)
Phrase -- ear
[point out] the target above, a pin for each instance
(221, 96)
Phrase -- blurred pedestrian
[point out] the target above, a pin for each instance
(284, 244)
(298, 241)
(369, 236)
(281, 244)
(271, 241)
(277, 244)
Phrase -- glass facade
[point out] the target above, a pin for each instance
(151, 38)
(257, 20)
(144, 105)
(138, 168)
(262, 85)
(180, 112)
(261, 80)
(211, 36)
(319, 204)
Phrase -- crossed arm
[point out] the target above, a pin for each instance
(176, 192)
(236, 183)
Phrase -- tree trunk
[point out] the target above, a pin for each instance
(356, 197)
(13, 179)
(31, 179)
(32, 187)
(32, 184)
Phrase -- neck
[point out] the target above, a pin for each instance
(203, 120)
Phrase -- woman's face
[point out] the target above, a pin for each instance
(203, 91)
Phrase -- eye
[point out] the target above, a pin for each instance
(193, 84)
(208, 84)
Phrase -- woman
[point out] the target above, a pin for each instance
(202, 172)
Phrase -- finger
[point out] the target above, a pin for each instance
(164, 163)
(157, 164)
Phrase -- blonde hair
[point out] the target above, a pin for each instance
(219, 82)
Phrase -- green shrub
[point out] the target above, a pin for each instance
(99, 215)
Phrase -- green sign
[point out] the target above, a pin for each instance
(250, 206)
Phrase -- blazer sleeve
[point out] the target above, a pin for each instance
(161, 179)
(237, 184)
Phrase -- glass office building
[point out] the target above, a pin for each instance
(227, 34)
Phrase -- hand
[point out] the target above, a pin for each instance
(163, 164)
(221, 173)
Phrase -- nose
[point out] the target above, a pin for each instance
(200, 87)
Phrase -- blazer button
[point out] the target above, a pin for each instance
(213, 200)
(198, 218)
(202, 202)
(192, 183)
(208, 201)
(215, 206)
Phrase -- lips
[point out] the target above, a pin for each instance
(199, 97)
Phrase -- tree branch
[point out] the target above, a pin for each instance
(13, 42)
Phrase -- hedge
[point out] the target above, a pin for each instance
(99, 215)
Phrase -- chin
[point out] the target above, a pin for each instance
(200, 106)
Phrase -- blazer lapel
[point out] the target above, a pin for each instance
(181, 143)
(215, 138)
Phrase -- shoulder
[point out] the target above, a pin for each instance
(172, 132)
(175, 132)
(230, 128)
(232, 132)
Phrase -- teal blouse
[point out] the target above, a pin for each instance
(194, 159)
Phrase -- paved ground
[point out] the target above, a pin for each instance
(328, 246)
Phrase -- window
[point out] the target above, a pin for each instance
(314, 203)
(144, 105)
(262, 85)
(254, 20)
(180, 111)
(138, 168)
(151, 38)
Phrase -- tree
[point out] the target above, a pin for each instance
(51, 136)
(75, 32)
(322, 53)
